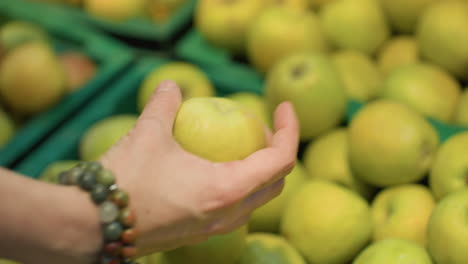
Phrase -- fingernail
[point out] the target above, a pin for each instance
(167, 85)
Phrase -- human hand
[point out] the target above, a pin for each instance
(182, 199)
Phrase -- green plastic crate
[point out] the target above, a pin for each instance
(138, 28)
(110, 57)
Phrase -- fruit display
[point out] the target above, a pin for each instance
(379, 89)
(34, 77)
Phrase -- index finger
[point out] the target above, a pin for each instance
(274, 162)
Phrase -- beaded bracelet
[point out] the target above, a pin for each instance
(117, 219)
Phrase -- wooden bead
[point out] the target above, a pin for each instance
(129, 236)
(113, 248)
(127, 217)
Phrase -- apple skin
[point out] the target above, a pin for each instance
(192, 81)
(225, 24)
(15, 33)
(394, 251)
(426, 88)
(115, 10)
(102, 135)
(390, 144)
(255, 103)
(449, 172)
(448, 229)
(79, 69)
(327, 223)
(461, 117)
(327, 158)
(213, 127)
(397, 52)
(279, 32)
(313, 85)
(7, 128)
(403, 212)
(355, 24)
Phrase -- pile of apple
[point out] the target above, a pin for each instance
(33, 77)
(158, 11)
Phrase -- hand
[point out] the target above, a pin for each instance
(182, 199)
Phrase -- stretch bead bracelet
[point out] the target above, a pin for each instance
(117, 219)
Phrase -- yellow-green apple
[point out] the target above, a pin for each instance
(115, 10)
(390, 144)
(443, 36)
(225, 23)
(15, 33)
(394, 251)
(327, 223)
(267, 248)
(448, 231)
(279, 32)
(426, 88)
(355, 24)
(102, 135)
(31, 78)
(402, 211)
(327, 158)
(362, 79)
(450, 170)
(7, 128)
(397, 52)
(192, 81)
(313, 85)
(267, 218)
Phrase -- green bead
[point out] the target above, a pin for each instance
(87, 180)
(108, 212)
(94, 166)
(113, 231)
(127, 217)
(99, 193)
(120, 198)
(105, 177)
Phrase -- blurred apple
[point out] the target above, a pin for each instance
(394, 251)
(402, 211)
(7, 128)
(461, 116)
(79, 69)
(403, 15)
(115, 10)
(396, 52)
(255, 103)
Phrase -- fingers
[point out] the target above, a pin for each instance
(272, 163)
(161, 109)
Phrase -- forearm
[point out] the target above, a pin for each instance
(46, 223)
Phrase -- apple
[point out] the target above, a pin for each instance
(327, 158)
(390, 144)
(115, 10)
(267, 248)
(279, 32)
(402, 211)
(79, 69)
(394, 251)
(31, 78)
(213, 127)
(450, 170)
(255, 103)
(298, 4)
(267, 218)
(102, 135)
(443, 36)
(355, 24)
(312, 83)
(448, 231)
(362, 79)
(461, 116)
(161, 10)
(424, 87)
(7, 128)
(224, 23)
(396, 52)
(192, 81)
(327, 223)
(15, 33)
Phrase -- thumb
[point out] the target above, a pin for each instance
(162, 107)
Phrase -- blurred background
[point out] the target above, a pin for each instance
(379, 87)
